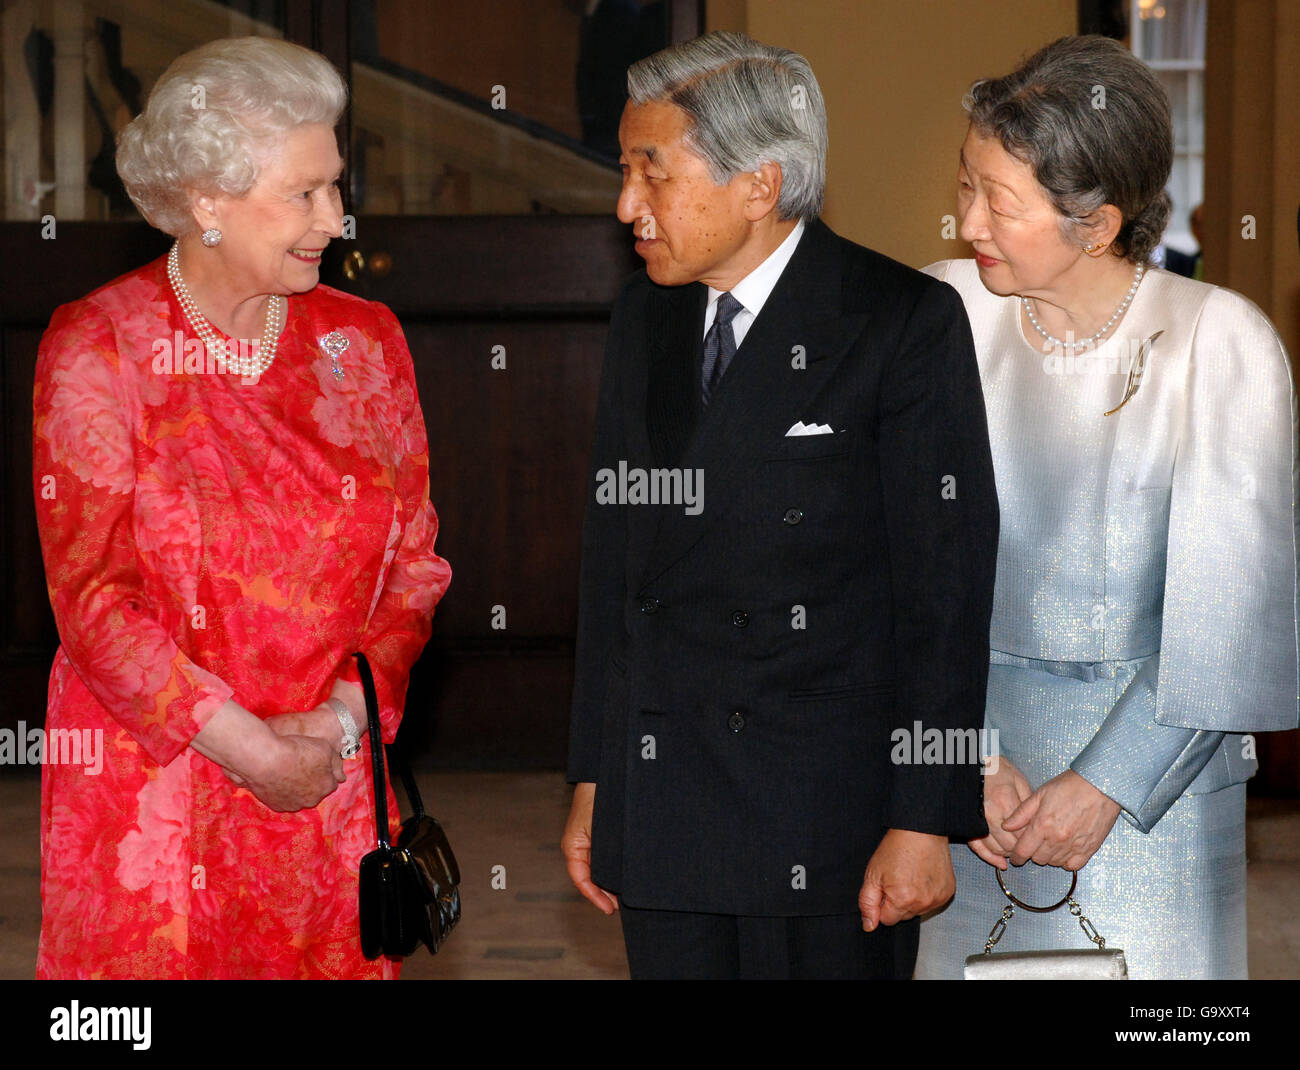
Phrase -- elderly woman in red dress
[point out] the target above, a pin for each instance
(233, 497)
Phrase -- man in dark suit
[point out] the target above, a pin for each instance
(788, 554)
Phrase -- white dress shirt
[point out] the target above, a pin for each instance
(755, 288)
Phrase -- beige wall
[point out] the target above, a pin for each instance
(1252, 152)
(893, 75)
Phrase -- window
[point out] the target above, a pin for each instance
(1169, 36)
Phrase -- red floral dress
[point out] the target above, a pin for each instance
(207, 538)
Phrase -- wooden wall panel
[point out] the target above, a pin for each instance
(1252, 157)
(509, 453)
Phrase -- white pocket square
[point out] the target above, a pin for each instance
(801, 428)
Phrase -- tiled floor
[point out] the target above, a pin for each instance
(536, 926)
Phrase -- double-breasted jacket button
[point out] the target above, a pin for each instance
(736, 722)
(793, 516)
(740, 618)
(650, 605)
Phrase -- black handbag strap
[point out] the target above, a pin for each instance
(377, 759)
(376, 750)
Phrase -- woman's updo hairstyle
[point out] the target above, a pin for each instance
(1092, 121)
(215, 116)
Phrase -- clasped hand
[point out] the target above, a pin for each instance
(1063, 823)
(304, 765)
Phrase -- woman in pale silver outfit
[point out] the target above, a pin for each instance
(1143, 428)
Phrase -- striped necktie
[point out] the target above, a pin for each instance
(719, 344)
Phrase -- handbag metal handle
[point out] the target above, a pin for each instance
(1074, 881)
(1008, 911)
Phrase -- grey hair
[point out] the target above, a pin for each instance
(747, 104)
(214, 119)
(1092, 121)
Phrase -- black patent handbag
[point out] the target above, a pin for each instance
(410, 891)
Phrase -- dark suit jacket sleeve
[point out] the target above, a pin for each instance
(601, 585)
(940, 508)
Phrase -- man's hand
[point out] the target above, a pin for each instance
(1004, 791)
(1062, 823)
(576, 846)
(910, 874)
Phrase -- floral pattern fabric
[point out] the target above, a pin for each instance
(207, 537)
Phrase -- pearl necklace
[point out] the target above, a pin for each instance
(249, 366)
(1128, 298)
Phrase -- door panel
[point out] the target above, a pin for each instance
(509, 447)
(509, 450)
(41, 274)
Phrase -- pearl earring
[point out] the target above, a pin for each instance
(211, 237)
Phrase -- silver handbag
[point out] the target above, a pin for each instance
(1083, 964)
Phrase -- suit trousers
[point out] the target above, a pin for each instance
(680, 945)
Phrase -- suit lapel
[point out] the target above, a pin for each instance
(675, 320)
(764, 391)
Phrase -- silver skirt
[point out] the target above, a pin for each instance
(1173, 899)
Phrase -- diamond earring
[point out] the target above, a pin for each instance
(211, 237)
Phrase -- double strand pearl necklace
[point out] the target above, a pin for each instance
(249, 366)
(1091, 339)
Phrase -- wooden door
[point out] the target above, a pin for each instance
(508, 244)
(506, 322)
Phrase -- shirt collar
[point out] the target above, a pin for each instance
(755, 288)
